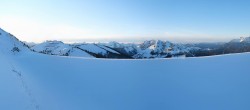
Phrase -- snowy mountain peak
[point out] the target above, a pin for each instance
(241, 40)
(158, 47)
(146, 44)
(52, 47)
(10, 44)
(245, 39)
(114, 44)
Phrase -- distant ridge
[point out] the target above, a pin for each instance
(116, 50)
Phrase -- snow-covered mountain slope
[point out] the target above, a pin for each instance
(160, 49)
(245, 39)
(237, 45)
(100, 51)
(93, 49)
(14, 92)
(13, 95)
(63, 83)
(129, 49)
(10, 44)
(89, 50)
(52, 47)
(241, 40)
(59, 48)
(33, 81)
(150, 49)
(30, 44)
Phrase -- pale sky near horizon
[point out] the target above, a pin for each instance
(125, 20)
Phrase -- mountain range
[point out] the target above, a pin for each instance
(116, 50)
(144, 50)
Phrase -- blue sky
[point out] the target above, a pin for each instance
(126, 20)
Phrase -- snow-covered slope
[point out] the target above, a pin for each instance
(61, 83)
(100, 51)
(93, 49)
(52, 47)
(89, 50)
(150, 49)
(14, 92)
(129, 49)
(237, 45)
(10, 44)
(33, 81)
(241, 40)
(160, 49)
(13, 95)
(59, 48)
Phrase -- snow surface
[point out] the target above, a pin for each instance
(13, 96)
(63, 83)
